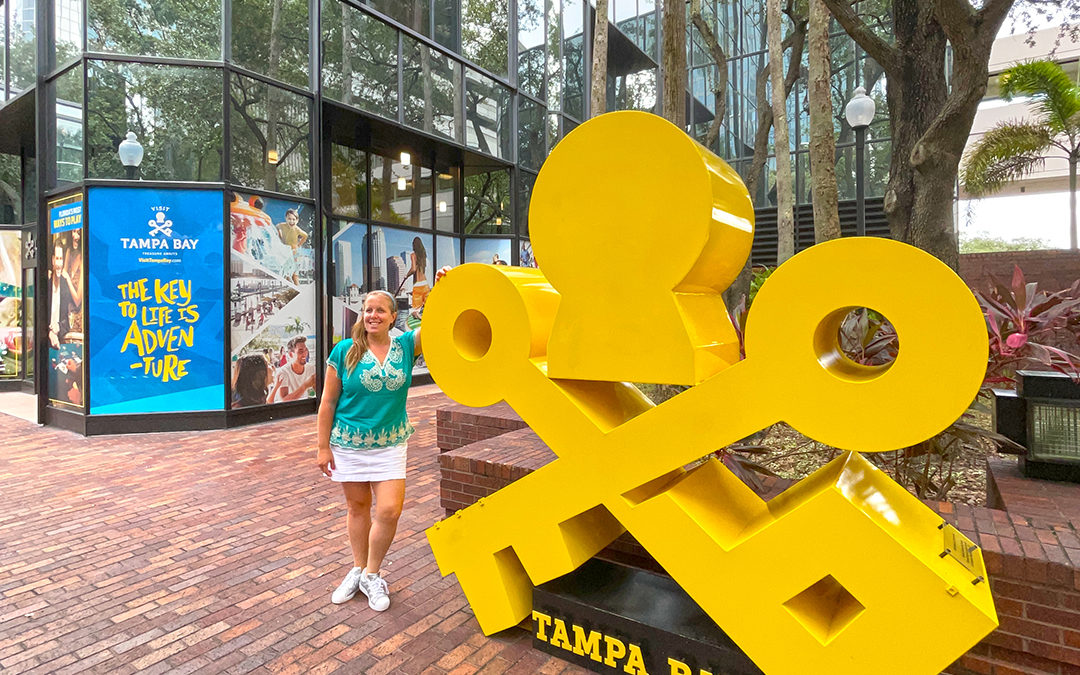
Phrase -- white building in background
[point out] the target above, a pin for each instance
(378, 259)
(1036, 207)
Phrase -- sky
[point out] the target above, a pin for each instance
(1042, 216)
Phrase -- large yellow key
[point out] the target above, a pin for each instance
(843, 570)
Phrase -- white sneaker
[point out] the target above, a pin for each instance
(374, 587)
(348, 587)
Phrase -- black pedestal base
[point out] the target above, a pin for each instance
(609, 618)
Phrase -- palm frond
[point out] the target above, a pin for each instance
(1007, 152)
(1055, 96)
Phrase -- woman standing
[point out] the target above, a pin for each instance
(363, 429)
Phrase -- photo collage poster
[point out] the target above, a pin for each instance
(155, 300)
(65, 296)
(272, 314)
(11, 303)
(349, 251)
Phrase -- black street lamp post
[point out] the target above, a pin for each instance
(860, 113)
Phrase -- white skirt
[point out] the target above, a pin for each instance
(368, 466)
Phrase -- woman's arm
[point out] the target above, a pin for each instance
(327, 408)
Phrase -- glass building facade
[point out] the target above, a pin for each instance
(297, 153)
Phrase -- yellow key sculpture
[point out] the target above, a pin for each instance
(638, 229)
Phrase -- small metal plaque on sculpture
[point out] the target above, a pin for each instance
(844, 568)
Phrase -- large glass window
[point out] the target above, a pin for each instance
(360, 58)
(487, 202)
(11, 186)
(348, 181)
(69, 126)
(174, 111)
(526, 181)
(447, 22)
(415, 14)
(487, 115)
(271, 137)
(554, 54)
(531, 47)
(181, 28)
(22, 47)
(69, 30)
(432, 83)
(485, 34)
(574, 58)
(530, 133)
(400, 193)
(444, 202)
(271, 38)
(447, 251)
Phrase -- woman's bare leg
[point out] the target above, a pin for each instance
(358, 500)
(389, 498)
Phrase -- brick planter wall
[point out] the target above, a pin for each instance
(1030, 541)
(1053, 270)
(458, 425)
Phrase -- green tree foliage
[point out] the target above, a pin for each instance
(1011, 150)
(181, 28)
(984, 243)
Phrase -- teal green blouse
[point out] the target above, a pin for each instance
(371, 410)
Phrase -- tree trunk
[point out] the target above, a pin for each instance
(929, 121)
(1072, 200)
(822, 140)
(720, 59)
(598, 88)
(797, 40)
(673, 62)
(785, 217)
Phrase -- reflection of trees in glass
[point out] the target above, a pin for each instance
(485, 34)
(69, 127)
(359, 59)
(431, 82)
(348, 181)
(554, 54)
(415, 14)
(272, 40)
(487, 115)
(10, 189)
(182, 28)
(531, 47)
(574, 91)
(68, 30)
(266, 120)
(530, 133)
(526, 181)
(487, 202)
(174, 110)
(22, 39)
(386, 205)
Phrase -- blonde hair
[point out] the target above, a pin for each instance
(359, 333)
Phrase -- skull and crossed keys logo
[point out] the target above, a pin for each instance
(638, 229)
(160, 225)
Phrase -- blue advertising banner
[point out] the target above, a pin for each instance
(67, 215)
(156, 300)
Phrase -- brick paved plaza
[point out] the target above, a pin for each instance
(217, 552)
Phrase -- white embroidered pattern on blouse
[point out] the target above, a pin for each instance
(385, 374)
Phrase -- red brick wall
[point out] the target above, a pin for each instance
(1053, 270)
(458, 425)
(1031, 551)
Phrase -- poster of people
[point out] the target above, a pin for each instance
(488, 251)
(349, 252)
(527, 259)
(272, 315)
(11, 337)
(65, 297)
(155, 300)
(402, 263)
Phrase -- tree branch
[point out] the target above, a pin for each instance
(879, 50)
